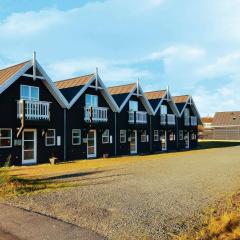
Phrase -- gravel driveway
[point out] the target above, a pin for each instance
(152, 198)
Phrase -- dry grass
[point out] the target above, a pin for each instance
(222, 223)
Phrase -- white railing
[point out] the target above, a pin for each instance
(96, 114)
(186, 121)
(163, 119)
(141, 117)
(193, 121)
(171, 119)
(33, 110)
(131, 117)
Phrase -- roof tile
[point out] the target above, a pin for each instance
(122, 89)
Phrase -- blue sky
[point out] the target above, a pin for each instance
(192, 46)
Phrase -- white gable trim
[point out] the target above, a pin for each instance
(193, 107)
(143, 99)
(47, 81)
(104, 92)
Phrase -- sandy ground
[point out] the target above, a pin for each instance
(150, 198)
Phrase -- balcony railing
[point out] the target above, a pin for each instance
(33, 110)
(137, 117)
(186, 121)
(163, 119)
(171, 119)
(95, 114)
(193, 121)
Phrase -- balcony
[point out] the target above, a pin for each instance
(138, 117)
(193, 121)
(171, 119)
(186, 121)
(33, 110)
(95, 114)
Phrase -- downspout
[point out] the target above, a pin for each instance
(65, 135)
(115, 133)
(150, 116)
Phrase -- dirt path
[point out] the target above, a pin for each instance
(152, 198)
(16, 224)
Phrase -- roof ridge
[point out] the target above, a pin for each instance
(122, 85)
(184, 95)
(14, 65)
(74, 78)
(156, 91)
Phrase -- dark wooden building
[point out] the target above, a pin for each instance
(133, 135)
(187, 122)
(164, 121)
(226, 126)
(32, 115)
(90, 120)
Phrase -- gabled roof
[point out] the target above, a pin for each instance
(119, 93)
(73, 89)
(8, 72)
(226, 119)
(182, 102)
(156, 99)
(11, 74)
(70, 87)
(122, 94)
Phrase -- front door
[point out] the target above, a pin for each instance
(133, 142)
(29, 146)
(186, 140)
(164, 140)
(91, 144)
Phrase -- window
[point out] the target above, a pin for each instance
(163, 109)
(29, 93)
(5, 137)
(194, 136)
(181, 135)
(133, 106)
(76, 136)
(123, 137)
(156, 135)
(105, 136)
(91, 100)
(50, 137)
(144, 136)
(172, 137)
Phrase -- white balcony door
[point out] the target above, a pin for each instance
(164, 140)
(29, 146)
(91, 144)
(186, 140)
(133, 142)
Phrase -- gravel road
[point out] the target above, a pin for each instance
(150, 198)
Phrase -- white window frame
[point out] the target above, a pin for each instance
(135, 103)
(54, 138)
(8, 129)
(163, 107)
(104, 137)
(144, 136)
(30, 98)
(155, 135)
(92, 96)
(172, 137)
(76, 137)
(181, 135)
(123, 134)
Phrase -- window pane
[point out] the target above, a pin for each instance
(25, 92)
(133, 106)
(34, 93)
(5, 133)
(50, 141)
(50, 133)
(88, 100)
(5, 142)
(76, 140)
(94, 101)
(163, 109)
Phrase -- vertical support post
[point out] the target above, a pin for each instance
(115, 133)
(34, 66)
(65, 135)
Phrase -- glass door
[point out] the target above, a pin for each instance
(91, 144)
(29, 146)
(133, 142)
(164, 140)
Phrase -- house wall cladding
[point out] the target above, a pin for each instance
(65, 118)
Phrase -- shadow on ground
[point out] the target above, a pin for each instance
(216, 144)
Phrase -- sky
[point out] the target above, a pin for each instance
(191, 46)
